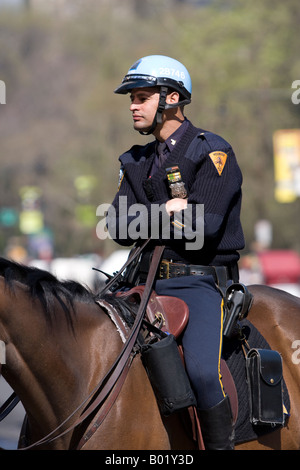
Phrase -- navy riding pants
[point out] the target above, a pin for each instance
(202, 338)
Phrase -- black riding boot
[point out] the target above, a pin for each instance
(217, 426)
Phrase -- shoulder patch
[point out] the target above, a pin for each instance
(219, 159)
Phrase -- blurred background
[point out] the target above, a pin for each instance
(62, 128)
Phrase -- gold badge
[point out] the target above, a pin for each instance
(176, 184)
(219, 160)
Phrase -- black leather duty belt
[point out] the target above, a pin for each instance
(168, 269)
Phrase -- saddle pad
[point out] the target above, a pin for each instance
(235, 360)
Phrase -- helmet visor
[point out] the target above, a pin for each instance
(131, 81)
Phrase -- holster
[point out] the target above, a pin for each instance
(238, 301)
(167, 375)
(264, 373)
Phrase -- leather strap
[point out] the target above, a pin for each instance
(9, 405)
(135, 253)
(114, 373)
(106, 406)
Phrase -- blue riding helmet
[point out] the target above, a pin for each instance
(158, 71)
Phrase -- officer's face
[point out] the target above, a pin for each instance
(144, 102)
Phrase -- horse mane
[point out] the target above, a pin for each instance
(46, 287)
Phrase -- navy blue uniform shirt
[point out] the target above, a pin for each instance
(213, 179)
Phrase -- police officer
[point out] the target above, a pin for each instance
(192, 177)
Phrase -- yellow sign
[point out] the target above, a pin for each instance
(286, 144)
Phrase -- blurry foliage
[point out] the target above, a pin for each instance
(62, 119)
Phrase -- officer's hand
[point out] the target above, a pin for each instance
(175, 205)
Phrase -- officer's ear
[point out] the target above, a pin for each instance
(173, 97)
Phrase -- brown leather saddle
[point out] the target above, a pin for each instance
(169, 314)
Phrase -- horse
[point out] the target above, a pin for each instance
(60, 344)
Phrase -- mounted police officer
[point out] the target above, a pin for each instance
(193, 177)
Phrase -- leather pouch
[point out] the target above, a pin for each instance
(264, 373)
(167, 375)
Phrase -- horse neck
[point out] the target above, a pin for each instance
(48, 366)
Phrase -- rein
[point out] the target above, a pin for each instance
(112, 382)
(13, 400)
(9, 404)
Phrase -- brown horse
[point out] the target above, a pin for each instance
(60, 345)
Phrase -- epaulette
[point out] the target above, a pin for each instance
(216, 148)
(214, 141)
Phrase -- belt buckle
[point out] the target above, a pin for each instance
(165, 274)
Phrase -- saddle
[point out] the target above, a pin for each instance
(169, 314)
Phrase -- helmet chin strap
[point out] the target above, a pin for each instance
(162, 105)
(158, 115)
